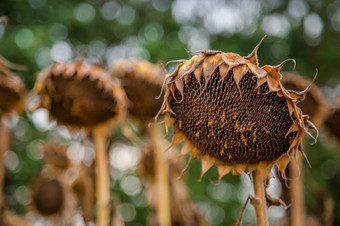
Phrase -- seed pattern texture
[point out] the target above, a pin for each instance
(234, 128)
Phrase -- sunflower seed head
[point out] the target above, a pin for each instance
(235, 114)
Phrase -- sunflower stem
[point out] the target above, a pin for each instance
(102, 177)
(259, 201)
(162, 177)
(296, 192)
(4, 144)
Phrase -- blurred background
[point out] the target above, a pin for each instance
(42, 31)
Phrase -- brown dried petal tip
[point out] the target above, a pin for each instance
(142, 82)
(314, 101)
(233, 113)
(80, 95)
(12, 91)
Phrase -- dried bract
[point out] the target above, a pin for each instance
(332, 124)
(314, 103)
(233, 113)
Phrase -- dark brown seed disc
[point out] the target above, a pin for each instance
(230, 127)
(83, 98)
(87, 104)
(48, 196)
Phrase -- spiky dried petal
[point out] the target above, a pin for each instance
(312, 100)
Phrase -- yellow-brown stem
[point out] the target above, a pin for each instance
(162, 177)
(296, 192)
(4, 144)
(102, 177)
(259, 202)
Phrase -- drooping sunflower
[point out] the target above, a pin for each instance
(80, 95)
(84, 96)
(142, 82)
(233, 113)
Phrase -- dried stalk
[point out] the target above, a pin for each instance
(102, 177)
(162, 178)
(259, 201)
(296, 192)
(4, 143)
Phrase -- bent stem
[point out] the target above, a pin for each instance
(296, 192)
(102, 177)
(259, 202)
(4, 144)
(162, 177)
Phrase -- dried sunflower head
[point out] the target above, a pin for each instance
(233, 113)
(48, 196)
(142, 82)
(314, 103)
(12, 90)
(80, 95)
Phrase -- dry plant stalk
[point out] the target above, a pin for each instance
(12, 99)
(4, 145)
(102, 176)
(84, 96)
(182, 209)
(314, 105)
(142, 82)
(235, 115)
(162, 177)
